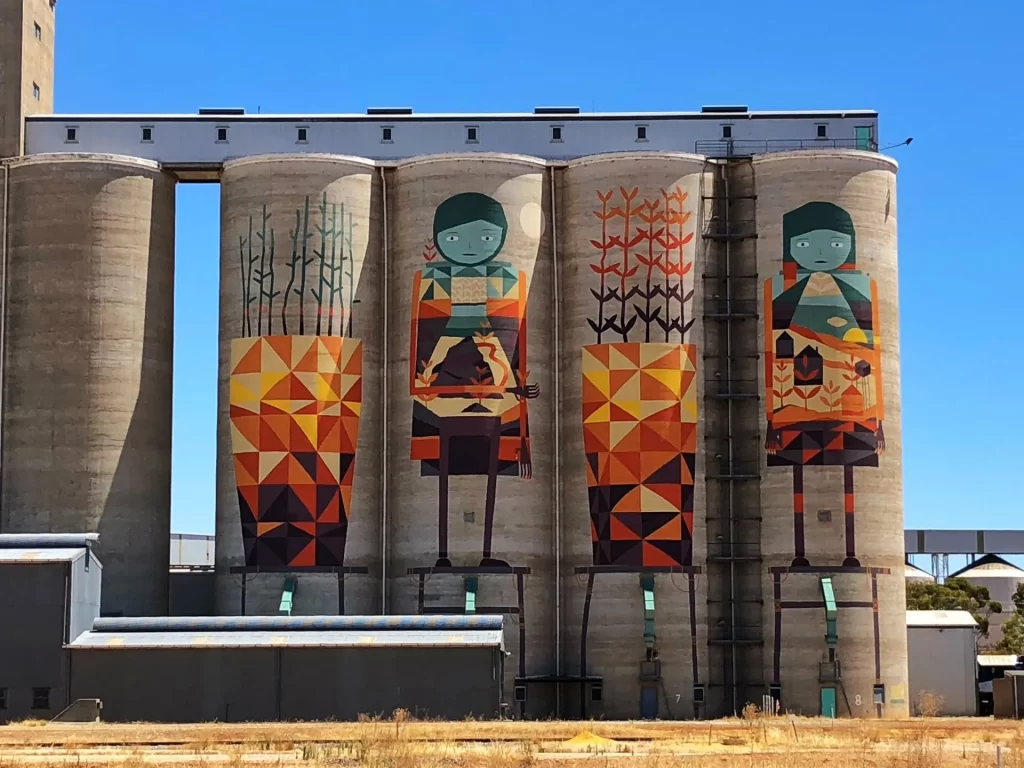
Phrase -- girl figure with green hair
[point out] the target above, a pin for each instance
(468, 359)
(823, 372)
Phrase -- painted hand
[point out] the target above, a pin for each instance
(880, 437)
(773, 440)
(526, 392)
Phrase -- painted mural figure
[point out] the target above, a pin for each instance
(823, 359)
(468, 372)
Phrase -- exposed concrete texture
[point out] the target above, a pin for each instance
(26, 62)
(87, 405)
(615, 644)
(283, 183)
(864, 184)
(523, 532)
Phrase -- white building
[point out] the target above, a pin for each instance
(1001, 578)
(942, 660)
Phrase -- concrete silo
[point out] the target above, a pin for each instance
(832, 482)
(634, 590)
(87, 382)
(471, 399)
(299, 431)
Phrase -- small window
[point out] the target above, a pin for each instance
(36, 93)
(40, 698)
(71, 134)
(519, 693)
(3, 698)
(222, 135)
(596, 692)
(556, 133)
(726, 131)
(822, 131)
(824, 515)
(641, 133)
(302, 135)
(386, 134)
(472, 134)
(39, 32)
(147, 134)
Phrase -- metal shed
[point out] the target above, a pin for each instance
(282, 668)
(942, 654)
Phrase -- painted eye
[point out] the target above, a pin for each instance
(487, 238)
(802, 244)
(451, 238)
(837, 244)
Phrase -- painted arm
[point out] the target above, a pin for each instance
(876, 339)
(523, 390)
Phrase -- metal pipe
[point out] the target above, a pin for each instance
(385, 257)
(558, 431)
(731, 452)
(3, 323)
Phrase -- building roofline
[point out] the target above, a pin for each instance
(440, 117)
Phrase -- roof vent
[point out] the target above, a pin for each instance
(725, 108)
(556, 110)
(222, 111)
(389, 111)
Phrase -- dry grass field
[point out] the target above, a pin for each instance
(404, 743)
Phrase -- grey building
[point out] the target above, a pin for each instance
(282, 668)
(49, 594)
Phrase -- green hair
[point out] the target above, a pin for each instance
(817, 215)
(466, 207)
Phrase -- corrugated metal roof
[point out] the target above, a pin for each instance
(912, 572)
(40, 555)
(940, 619)
(989, 567)
(997, 660)
(299, 623)
(378, 639)
(47, 540)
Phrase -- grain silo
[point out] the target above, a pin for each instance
(87, 383)
(299, 431)
(832, 483)
(634, 589)
(471, 399)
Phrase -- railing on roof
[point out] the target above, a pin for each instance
(748, 147)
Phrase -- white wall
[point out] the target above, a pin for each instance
(193, 139)
(85, 594)
(943, 661)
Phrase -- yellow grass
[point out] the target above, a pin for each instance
(407, 743)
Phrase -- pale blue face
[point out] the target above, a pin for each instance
(469, 244)
(821, 250)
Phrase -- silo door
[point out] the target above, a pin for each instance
(648, 702)
(828, 702)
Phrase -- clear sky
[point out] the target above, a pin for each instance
(943, 72)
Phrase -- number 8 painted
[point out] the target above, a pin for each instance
(857, 700)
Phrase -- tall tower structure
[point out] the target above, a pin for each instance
(26, 67)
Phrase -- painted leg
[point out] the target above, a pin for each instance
(442, 502)
(851, 560)
(799, 555)
(492, 489)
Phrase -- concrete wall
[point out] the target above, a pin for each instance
(32, 614)
(522, 530)
(87, 421)
(281, 188)
(187, 139)
(850, 504)
(25, 62)
(943, 662)
(263, 684)
(193, 593)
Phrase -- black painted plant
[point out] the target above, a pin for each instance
(329, 280)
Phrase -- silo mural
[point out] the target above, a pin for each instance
(469, 376)
(639, 393)
(295, 396)
(823, 359)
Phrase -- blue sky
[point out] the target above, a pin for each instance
(935, 71)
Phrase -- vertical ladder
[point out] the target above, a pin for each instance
(732, 415)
